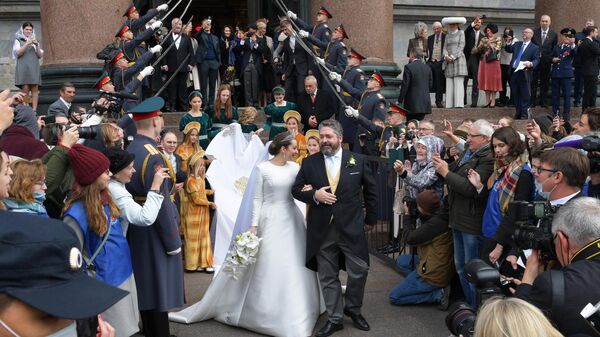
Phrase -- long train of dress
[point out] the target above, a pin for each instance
(277, 295)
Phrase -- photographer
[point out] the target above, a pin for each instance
(576, 232)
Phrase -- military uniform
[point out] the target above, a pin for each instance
(372, 104)
(122, 76)
(155, 249)
(562, 74)
(335, 54)
(130, 47)
(320, 32)
(137, 27)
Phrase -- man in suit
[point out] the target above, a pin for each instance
(208, 56)
(545, 39)
(435, 59)
(589, 50)
(182, 52)
(417, 81)
(527, 54)
(169, 145)
(578, 81)
(62, 106)
(295, 64)
(337, 220)
(156, 249)
(253, 50)
(315, 105)
(473, 34)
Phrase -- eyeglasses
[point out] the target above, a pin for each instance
(473, 136)
(40, 183)
(540, 169)
(425, 129)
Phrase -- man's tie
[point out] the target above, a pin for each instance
(516, 64)
(543, 37)
(331, 166)
(312, 97)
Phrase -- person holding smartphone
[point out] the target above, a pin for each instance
(27, 52)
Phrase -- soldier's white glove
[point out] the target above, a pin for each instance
(291, 15)
(320, 60)
(162, 7)
(303, 33)
(156, 49)
(351, 112)
(174, 252)
(149, 70)
(335, 76)
(282, 37)
(156, 25)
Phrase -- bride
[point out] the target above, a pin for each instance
(277, 295)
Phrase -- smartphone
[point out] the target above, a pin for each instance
(529, 114)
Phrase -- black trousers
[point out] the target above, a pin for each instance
(178, 91)
(209, 71)
(294, 85)
(505, 71)
(155, 323)
(473, 67)
(541, 79)
(439, 81)
(589, 92)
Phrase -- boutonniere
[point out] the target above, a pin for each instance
(351, 161)
(566, 53)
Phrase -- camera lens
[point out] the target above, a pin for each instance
(461, 320)
(87, 132)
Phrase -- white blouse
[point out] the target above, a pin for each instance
(17, 46)
(131, 211)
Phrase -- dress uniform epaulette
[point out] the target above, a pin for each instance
(359, 70)
(380, 96)
(343, 45)
(151, 149)
(325, 25)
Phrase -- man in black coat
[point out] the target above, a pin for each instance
(315, 105)
(253, 49)
(180, 53)
(576, 233)
(295, 64)
(473, 34)
(589, 51)
(435, 59)
(208, 56)
(545, 39)
(417, 81)
(336, 223)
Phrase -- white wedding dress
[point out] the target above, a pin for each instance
(277, 295)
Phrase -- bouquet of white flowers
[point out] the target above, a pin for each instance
(241, 254)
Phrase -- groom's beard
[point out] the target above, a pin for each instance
(328, 149)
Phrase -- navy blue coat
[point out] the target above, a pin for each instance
(203, 42)
(335, 54)
(564, 67)
(158, 275)
(321, 32)
(130, 48)
(122, 76)
(355, 77)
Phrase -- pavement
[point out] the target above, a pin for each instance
(385, 319)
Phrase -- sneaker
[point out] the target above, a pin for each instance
(209, 270)
(200, 269)
(445, 300)
(343, 289)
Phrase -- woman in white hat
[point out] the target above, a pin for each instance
(455, 65)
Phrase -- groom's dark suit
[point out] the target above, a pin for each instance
(338, 228)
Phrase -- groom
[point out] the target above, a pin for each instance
(336, 223)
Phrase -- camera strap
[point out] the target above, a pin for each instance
(588, 251)
(558, 291)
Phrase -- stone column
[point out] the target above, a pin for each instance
(370, 26)
(73, 32)
(567, 13)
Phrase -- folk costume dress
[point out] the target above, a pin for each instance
(219, 121)
(205, 123)
(275, 123)
(197, 249)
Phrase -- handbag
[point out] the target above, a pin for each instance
(90, 267)
(491, 56)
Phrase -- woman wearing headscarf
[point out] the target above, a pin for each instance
(421, 175)
(455, 65)
(511, 180)
(27, 52)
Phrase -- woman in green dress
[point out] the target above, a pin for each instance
(197, 115)
(275, 111)
(222, 112)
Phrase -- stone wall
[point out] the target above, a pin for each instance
(12, 16)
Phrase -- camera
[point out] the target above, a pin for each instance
(533, 223)
(88, 132)
(485, 278)
(52, 131)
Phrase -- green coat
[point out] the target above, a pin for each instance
(59, 180)
(216, 120)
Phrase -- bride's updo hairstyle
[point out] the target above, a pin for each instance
(283, 139)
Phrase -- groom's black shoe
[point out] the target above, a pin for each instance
(359, 321)
(329, 329)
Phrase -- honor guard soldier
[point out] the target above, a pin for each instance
(136, 23)
(320, 32)
(335, 57)
(356, 77)
(155, 249)
(371, 104)
(129, 43)
(123, 71)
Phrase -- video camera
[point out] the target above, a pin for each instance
(486, 279)
(113, 108)
(591, 144)
(533, 223)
